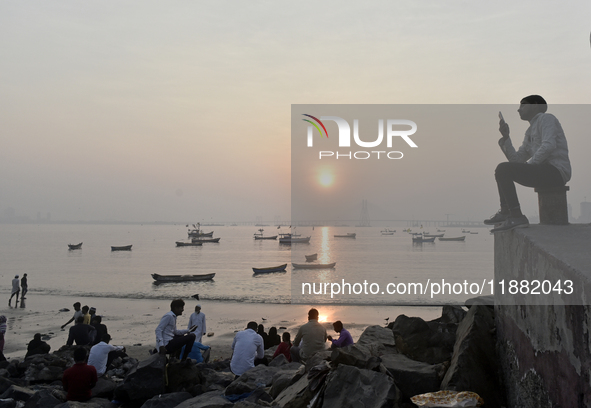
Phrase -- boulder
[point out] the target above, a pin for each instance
(182, 376)
(43, 399)
(364, 388)
(317, 358)
(427, 342)
(382, 336)
(216, 380)
(259, 376)
(212, 399)
(474, 363)
(8, 403)
(104, 388)
(354, 355)
(39, 373)
(278, 361)
(284, 378)
(295, 396)
(17, 393)
(451, 314)
(144, 381)
(5, 383)
(413, 377)
(92, 403)
(170, 400)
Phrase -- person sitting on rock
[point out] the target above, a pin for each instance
(101, 329)
(310, 339)
(37, 346)
(274, 338)
(168, 338)
(247, 346)
(81, 333)
(195, 353)
(284, 347)
(344, 339)
(79, 379)
(102, 354)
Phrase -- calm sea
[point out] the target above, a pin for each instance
(42, 252)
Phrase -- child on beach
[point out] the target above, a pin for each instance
(285, 347)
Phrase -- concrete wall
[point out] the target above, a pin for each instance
(545, 349)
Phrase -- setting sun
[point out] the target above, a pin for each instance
(326, 177)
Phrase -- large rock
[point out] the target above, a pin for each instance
(104, 388)
(17, 393)
(429, 342)
(259, 376)
(380, 336)
(216, 380)
(5, 384)
(43, 399)
(284, 378)
(451, 314)
(183, 377)
(354, 355)
(144, 381)
(295, 396)
(413, 377)
(349, 386)
(8, 403)
(212, 399)
(92, 403)
(38, 373)
(170, 400)
(474, 363)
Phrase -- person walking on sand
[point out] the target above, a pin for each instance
(80, 379)
(168, 338)
(15, 289)
(541, 161)
(77, 314)
(198, 319)
(344, 339)
(310, 339)
(24, 286)
(247, 346)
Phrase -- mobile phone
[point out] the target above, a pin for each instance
(501, 116)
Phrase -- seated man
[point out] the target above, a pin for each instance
(37, 346)
(310, 339)
(195, 353)
(344, 339)
(102, 354)
(247, 346)
(541, 161)
(81, 333)
(168, 338)
(101, 329)
(79, 379)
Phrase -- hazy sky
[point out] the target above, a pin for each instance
(146, 111)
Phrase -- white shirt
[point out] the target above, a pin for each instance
(166, 330)
(247, 346)
(198, 319)
(99, 354)
(15, 285)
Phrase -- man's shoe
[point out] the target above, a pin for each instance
(511, 223)
(498, 218)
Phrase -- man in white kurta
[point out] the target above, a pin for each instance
(247, 346)
(99, 355)
(198, 319)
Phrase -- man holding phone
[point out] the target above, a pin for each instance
(168, 338)
(541, 161)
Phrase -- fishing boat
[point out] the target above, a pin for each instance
(181, 278)
(310, 258)
(388, 232)
(433, 235)
(453, 239)
(348, 235)
(259, 235)
(121, 248)
(76, 246)
(197, 232)
(202, 240)
(314, 266)
(292, 239)
(183, 244)
(420, 239)
(280, 268)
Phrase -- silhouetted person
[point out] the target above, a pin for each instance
(24, 286)
(37, 346)
(79, 379)
(344, 339)
(274, 338)
(100, 328)
(265, 336)
(310, 339)
(15, 289)
(247, 346)
(541, 161)
(85, 314)
(77, 314)
(82, 334)
(284, 347)
(168, 338)
(3, 328)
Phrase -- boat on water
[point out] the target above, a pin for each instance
(453, 238)
(183, 244)
(314, 266)
(197, 232)
(293, 239)
(474, 232)
(387, 231)
(310, 258)
(121, 248)
(465, 231)
(181, 278)
(419, 239)
(202, 240)
(75, 246)
(440, 230)
(433, 235)
(260, 235)
(280, 268)
(348, 235)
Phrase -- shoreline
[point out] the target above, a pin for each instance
(131, 322)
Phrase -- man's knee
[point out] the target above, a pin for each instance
(503, 170)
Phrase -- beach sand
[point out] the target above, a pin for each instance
(131, 322)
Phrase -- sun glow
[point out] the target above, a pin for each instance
(322, 319)
(326, 177)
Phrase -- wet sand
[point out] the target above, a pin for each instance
(131, 322)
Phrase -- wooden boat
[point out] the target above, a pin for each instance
(433, 235)
(291, 239)
(121, 248)
(181, 278)
(201, 240)
(280, 268)
(76, 246)
(259, 235)
(314, 266)
(183, 244)
(348, 235)
(196, 232)
(310, 258)
(421, 239)
(453, 239)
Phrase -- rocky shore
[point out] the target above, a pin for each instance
(385, 368)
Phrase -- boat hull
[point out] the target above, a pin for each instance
(183, 244)
(182, 278)
(280, 268)
(453, 239)
(259, 237)
(201, 240)
(310, 258)
(76, 246)
(351, 235)
(121, 248)
(420, 240)
(314, 266)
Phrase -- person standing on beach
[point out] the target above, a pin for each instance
(168, 338)
(344, 339)
(82, 334)
(85, 314)
(15, 289)
(77, 314)
(24, 286)
(541, 161)
(79, 379)
(310, 339)
(247, 346)
(198, 319)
